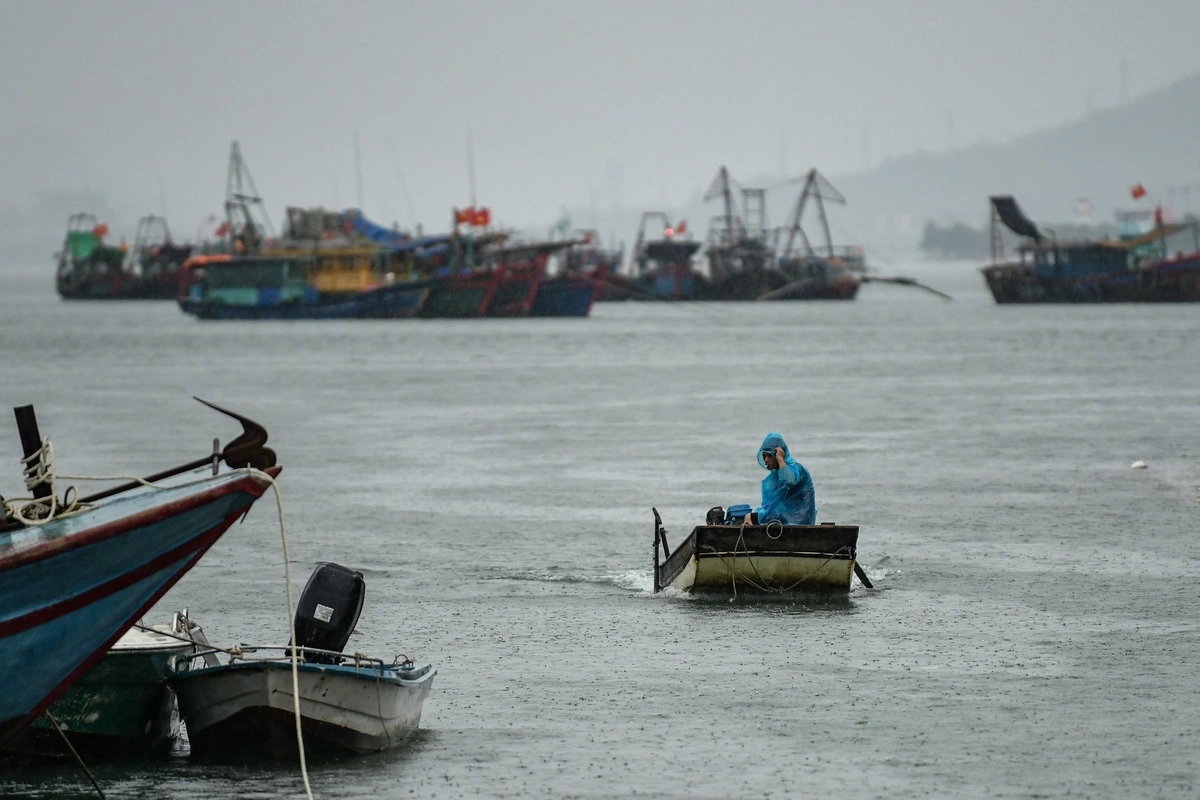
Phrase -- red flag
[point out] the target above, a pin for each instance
(1138, 191)
(222, 229)
(482, 217)
(464, 216)
(682, 226)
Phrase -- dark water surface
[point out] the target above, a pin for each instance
(1035, 631)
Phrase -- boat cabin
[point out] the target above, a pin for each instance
(1054, 259)
(247, 280)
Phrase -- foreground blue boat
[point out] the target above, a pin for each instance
(72, 585)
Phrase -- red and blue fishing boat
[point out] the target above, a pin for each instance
(1137, 267)
(75, 574)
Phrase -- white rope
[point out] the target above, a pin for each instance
(39, 469)
(287, 573)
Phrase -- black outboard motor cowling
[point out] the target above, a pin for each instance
(328, 610)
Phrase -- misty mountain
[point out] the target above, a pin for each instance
(1153, 139)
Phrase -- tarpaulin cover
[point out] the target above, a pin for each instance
(81, 244)
(1012, 216)
(787, 493)
(393, 240)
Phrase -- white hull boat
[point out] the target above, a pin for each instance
(246, 710)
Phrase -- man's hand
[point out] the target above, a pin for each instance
(746, 520)
(779, 456)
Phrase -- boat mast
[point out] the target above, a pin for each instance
(720, 188)
(238, 203)
(820, 189)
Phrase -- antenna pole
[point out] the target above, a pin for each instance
(728, 204)
(357, 172)
(471, 165)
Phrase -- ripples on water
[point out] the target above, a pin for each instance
(1034, 631)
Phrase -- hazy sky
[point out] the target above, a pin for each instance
(633, 103)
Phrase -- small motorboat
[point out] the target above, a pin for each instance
(726, 555)
(244, 708)
(77, 572)
(122, 708)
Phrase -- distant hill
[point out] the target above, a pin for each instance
(1154, 140)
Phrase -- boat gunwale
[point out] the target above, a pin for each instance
(55, 545)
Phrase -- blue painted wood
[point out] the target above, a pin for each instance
(564, 297)
(386, 302)
(61, 610)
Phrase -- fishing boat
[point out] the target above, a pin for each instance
(588, 259)
(244, 708)
(747, 261)
(567, 295)
(122, 708)
(77, 572)
(662, 267)
(726, 556)
(1135, 268)
(223, 287)
(90, 269)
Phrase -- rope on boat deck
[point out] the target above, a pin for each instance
(762, 587)
(39, 469)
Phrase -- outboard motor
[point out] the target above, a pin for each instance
(716, 516)
(328, 610)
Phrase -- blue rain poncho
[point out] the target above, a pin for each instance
(787, 492)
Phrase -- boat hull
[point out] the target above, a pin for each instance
(762, 559)
(244, 711)
(565, 297)
(1171, 281)
(71, 587)
(387, 302)
(122, 708)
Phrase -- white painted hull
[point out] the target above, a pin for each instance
(247, 707)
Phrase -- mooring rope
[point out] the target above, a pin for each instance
(287, 573)
(39, 469)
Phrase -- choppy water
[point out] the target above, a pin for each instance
(1034, 632)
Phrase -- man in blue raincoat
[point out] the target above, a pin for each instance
(787, 491)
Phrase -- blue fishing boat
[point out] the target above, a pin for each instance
(295, 287)
(1137, 267)
(76, 573)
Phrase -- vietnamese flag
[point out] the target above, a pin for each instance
(1138, 191)
(464, 216)
(481, 217)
